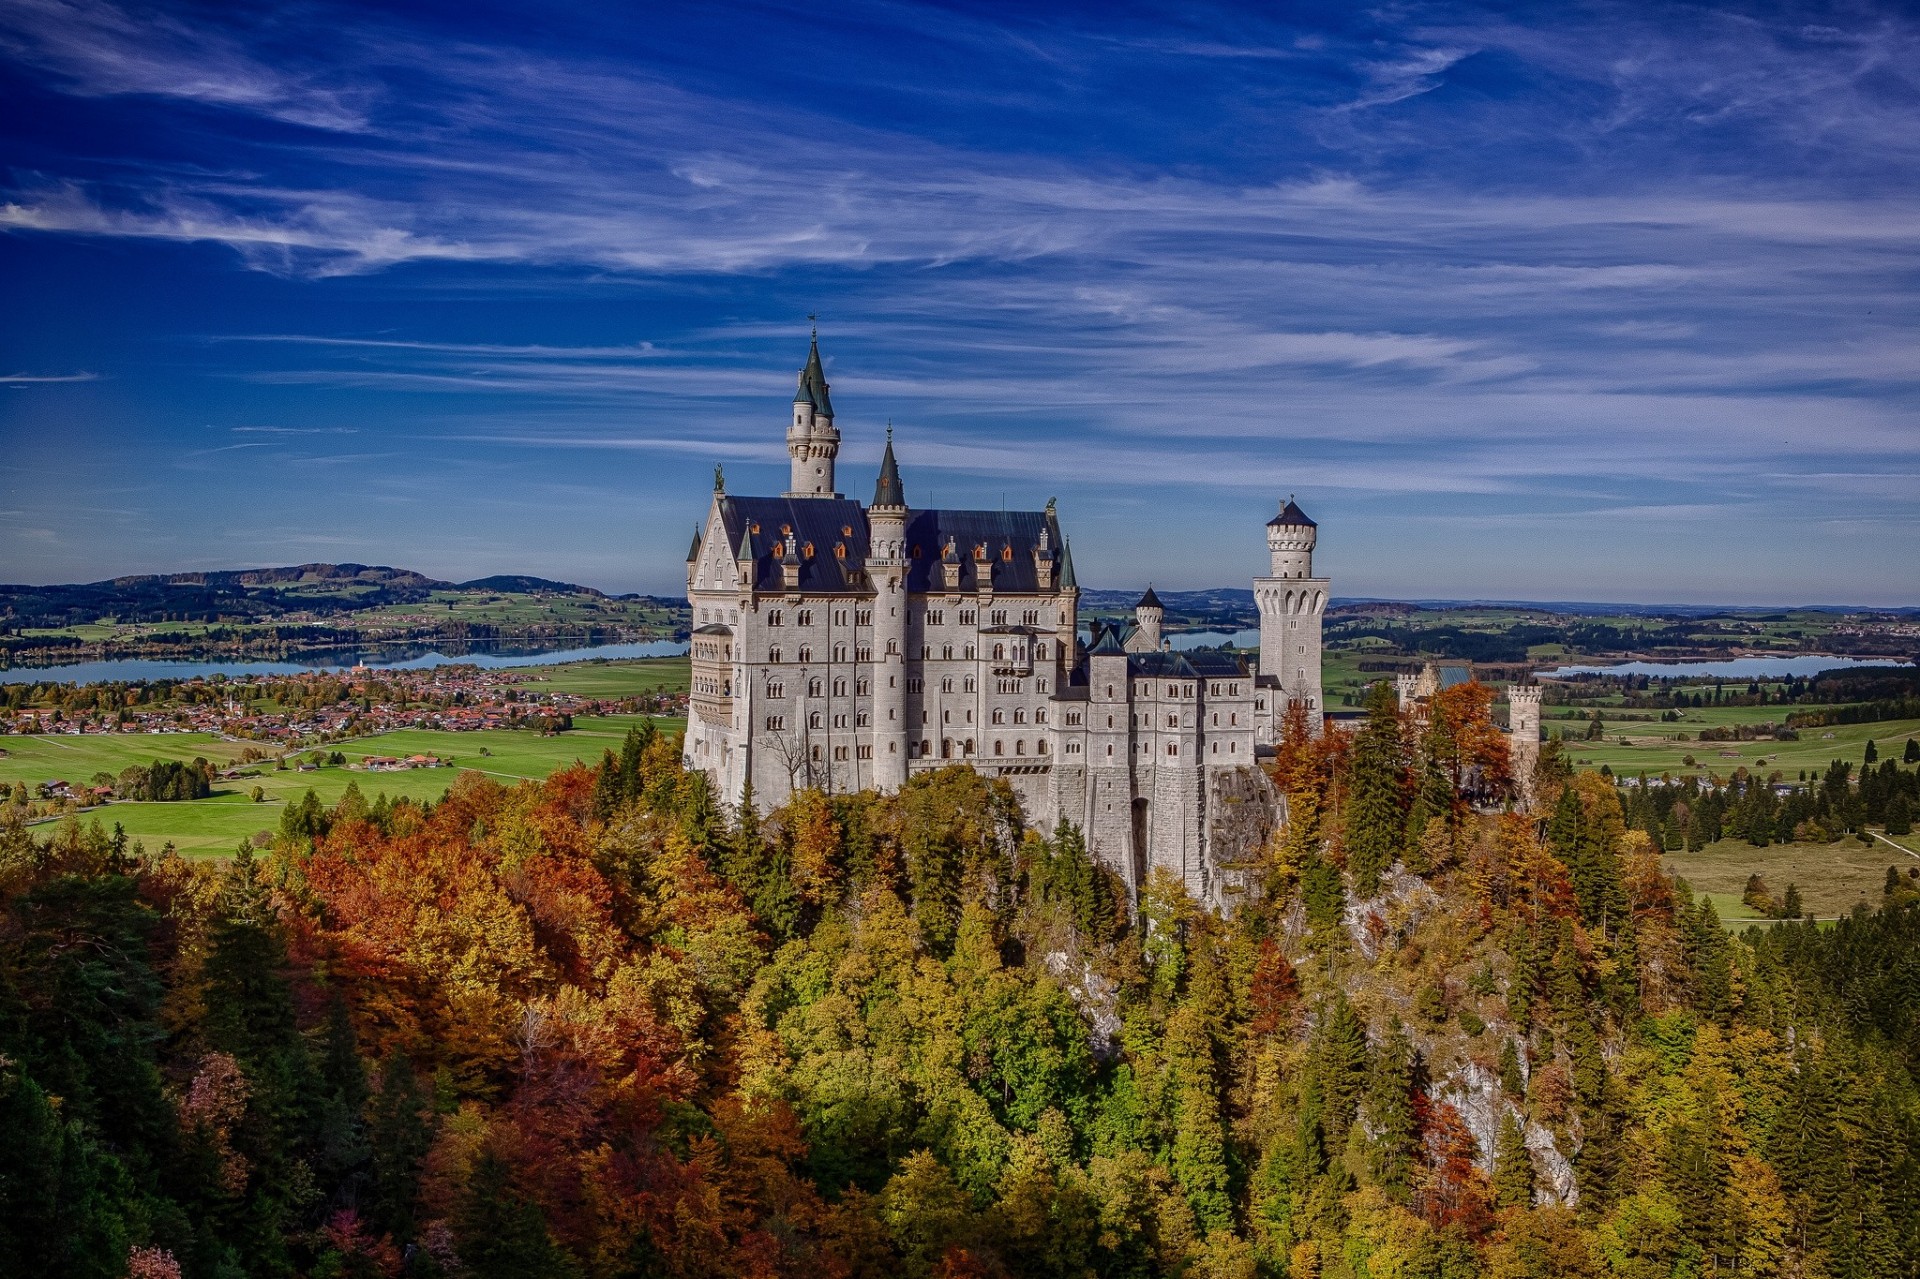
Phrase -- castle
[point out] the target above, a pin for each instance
(843, 647)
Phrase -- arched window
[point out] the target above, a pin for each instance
(813, 688)
(1020, 747)
(1041, 746)
(773, 655)
(968, 749)
(999, 652)
(806, 653)
(813, 720)
(946, 748)
(999, 747)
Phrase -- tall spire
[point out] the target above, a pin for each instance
(887, 491)
(813, 381)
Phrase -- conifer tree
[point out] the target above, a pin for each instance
(1375, 816)
(1395, 1135)
(1512, 1165)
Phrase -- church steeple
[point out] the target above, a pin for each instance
(887, 490)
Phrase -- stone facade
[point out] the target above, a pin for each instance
(845, 647)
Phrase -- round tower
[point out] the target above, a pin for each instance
(1290, 539)
(812, 441)
(1523, 721)
(887, 570)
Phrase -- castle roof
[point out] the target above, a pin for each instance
(1107, 643)
(813, 383)
(997, 548)
(1291, 514)
(693, 552)
(1067, 578)
(1149, 600)
(887, 490)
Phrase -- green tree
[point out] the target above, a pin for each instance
(1512, 1165)
(1375, 817)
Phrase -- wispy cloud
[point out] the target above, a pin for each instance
(26, 379)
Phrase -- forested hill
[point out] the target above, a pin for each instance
(592, 1027)
(257, 595)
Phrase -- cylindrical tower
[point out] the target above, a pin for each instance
(887, 569)
(1523, 719)
(1291, 603)
(812, 441)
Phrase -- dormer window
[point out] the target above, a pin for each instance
(1006, 552)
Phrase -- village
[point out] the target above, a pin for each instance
(298, 711)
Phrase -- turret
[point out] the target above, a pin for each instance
(1290, 539)
(812, 441)
(1523, 719)
(1147, 615)
(887, 571)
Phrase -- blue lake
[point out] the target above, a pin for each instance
(1746, 668)
(397, 658)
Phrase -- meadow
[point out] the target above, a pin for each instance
(215, 826)
(1832, 878)
(1630, 747)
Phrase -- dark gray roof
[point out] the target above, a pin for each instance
(1107, 644)
(996, 546)
(1067, 578)
(837, 530)
(1149, 600)
(887, 490)
(693, 552)
(714, 628)
(813, 383)
(1291, 514)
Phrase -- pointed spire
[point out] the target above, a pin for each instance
(746, 555)
(1066, 565)
(693, 552)
(887, 491)
(1149, 600)
(813, 380)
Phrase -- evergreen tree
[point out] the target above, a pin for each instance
(500, 1233)
(1512, 1165)
(1395, 1136)
(400, 1134)
(1376, 808)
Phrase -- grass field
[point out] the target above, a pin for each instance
(614, 679)
(215, 825)
(1832, 878)
(1652, 748)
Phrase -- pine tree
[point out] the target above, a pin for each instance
(502, 1235)
(1394, 1127)
(1375, 826)
(400, 1134)
(1513, 1165)
(1340, 1067)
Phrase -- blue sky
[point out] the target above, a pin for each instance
(1562, 301)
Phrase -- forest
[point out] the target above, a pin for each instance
(597, 1026)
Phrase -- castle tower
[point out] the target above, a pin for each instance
(1523, 718)
(812, 441)
(1147, 615)
(887, 570)
(1292, 601)
(1116, 822)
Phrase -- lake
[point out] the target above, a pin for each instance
(1214, 639)
(1739, 668)
(394, 658)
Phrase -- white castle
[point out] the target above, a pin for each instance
(845, 647)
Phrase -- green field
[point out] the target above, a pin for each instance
(1652, 748)
(213, 826)
(1832, 878)
(613, 679)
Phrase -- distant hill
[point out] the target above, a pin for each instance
(254, 594)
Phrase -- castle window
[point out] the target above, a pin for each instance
(816, 754)
(804, 618)
(1040, 747)
(969, 652)
(779, 550)
(966, 685)
(776, 690)
(1020, 747)
(946, 685)
(926, 650)
(860, 719)
(773, 655)
(1040, 651)
(913, 683)
(1173, 721)
(916, 550)
(863, 617)
(839, 688)
(946, 748)
(1040, 685)
(999, 717)
(839, 721)
(840, 617)
(1232, 747)
(839, 652)
(862, 687)
(1031, 617)
(866, 752)
(1073, 717)
(999, 747)
(776, 723)
(1109, 752)
(937, 617)
(839, 752)
(1006, 552)
(776, 618)
(966, 748)
(1172, 749)
(806, 552)
(925, 746)
(814, 688)
(966, 616)
(893, 646)
(813, 720)
(1073, 748)
(1019, 714)
(999, 617)
(999, 652)
(863, 653)
(946, 652)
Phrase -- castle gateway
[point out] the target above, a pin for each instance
(842, 647)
